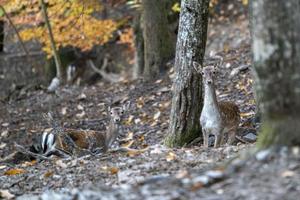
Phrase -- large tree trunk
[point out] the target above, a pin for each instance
(276, 47)
(139, 62)
(187, 88)
(158, 45)
(1, 35)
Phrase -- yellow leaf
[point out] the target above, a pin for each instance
(15, 171)
(176, 7)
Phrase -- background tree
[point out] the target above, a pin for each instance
(52, 42)
(276, 47)
(187, 88)
(72, 23)
(158, 45)
(1, 35)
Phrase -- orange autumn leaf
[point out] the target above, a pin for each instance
(114, 170)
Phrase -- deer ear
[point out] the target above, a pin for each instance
(108, 108)
(126, 105)
(197, 66)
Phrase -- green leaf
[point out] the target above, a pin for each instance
(1, 12)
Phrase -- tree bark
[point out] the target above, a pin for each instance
(1, 36)
(138, 68)
(59, 73)
(187, 87)
(157, 41)
(276, 47)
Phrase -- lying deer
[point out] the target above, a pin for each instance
(217, 118)
(67, 142)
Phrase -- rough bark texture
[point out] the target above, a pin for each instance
(158, 44)
(1, 35)
(187, 88)
(276, 47)
(139, 46)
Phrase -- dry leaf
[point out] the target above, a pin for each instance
(248, 114)
(61, 164)
(157, 115)
(5, 124)
(13, 172)
(140, 102)
(129, 120)
(48, 174)
(31, 163)
(114, 170)
(4, 133)
(287, 173)
(2, 167)
(82, 96)
(2, 145)
(5, 194)
(64, 110)
(80, 115)
(128, 144)
(171, 156)
(135, 152)
(80, 107)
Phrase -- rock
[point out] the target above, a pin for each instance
(250, 137)
(263, 155)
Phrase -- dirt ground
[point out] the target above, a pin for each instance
(156, 172)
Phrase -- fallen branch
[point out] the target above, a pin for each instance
(113, 78)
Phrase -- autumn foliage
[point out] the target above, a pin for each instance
(74, 22)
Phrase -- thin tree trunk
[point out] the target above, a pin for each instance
(276, 47)
(158, 44)
(16, 31)
(58, 64)
(187, 87)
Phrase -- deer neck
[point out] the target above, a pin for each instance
(210, 99)
(112, 133)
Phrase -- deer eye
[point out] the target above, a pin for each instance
(202, 73)
(111, 113)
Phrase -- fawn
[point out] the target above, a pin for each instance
(66, 142)
(217, 118)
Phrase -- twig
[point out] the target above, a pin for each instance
(22, 150)
(241, 140)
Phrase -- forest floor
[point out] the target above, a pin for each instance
(156, 172)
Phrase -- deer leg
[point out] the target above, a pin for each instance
(231, 136)
(205, 138)
(218, 140)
